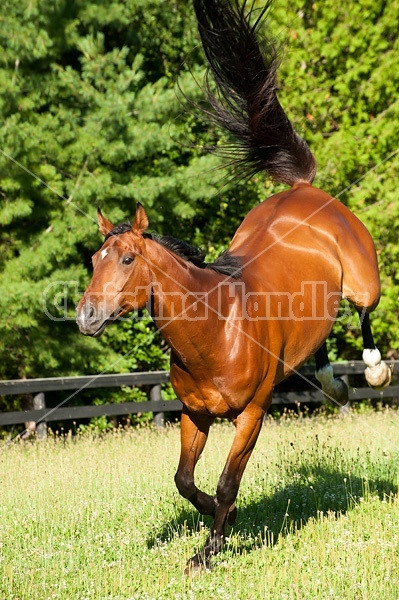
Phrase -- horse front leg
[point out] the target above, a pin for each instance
(248, 426)
(193, 435)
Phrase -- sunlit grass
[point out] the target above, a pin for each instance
(99, 517)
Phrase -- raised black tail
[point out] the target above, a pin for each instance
(244, 67)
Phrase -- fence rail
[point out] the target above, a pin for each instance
(42, 415)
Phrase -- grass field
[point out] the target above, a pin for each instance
(99, 517)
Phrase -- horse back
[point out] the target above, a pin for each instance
(303, 234)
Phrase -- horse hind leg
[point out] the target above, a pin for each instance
(377, 373)
(334, 388)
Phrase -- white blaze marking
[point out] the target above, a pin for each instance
(104, 253)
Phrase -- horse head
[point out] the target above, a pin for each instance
(121, 277)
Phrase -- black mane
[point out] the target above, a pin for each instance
(118, 229)
(225, 263)
(186, 251)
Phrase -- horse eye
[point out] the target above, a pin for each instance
(127, 260)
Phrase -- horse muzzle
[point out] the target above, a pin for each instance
(92, 321)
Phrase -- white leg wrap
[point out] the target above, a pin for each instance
(377, 372)
(371, 358)
(334, 389)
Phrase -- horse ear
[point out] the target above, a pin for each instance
(104, 225)
(140, 220)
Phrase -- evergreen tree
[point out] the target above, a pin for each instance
(92, 116)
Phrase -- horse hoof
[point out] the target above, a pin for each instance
(196, 565)
(378, 376)
(345, 409)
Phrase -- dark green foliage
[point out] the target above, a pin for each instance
(91, 116)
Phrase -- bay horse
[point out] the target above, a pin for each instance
(239, 326)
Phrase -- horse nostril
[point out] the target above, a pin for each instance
(90, 312)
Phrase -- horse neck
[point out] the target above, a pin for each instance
(173, 278)
(180, 294)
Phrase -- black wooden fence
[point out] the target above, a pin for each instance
(42, 415)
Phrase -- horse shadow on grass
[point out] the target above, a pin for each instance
(263, 519)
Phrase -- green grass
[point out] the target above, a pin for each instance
(99, 518)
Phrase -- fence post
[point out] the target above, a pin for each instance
(39, 402)
(155, 396)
